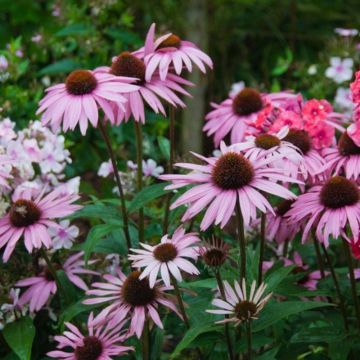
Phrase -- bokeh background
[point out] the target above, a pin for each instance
(268, 44)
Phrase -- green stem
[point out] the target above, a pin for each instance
(337, 287)
(139, 158)
(171, 166)
(249, 339)
(180, 301)
(227, 331)
(262, 247)
(241, 240)
(318, 255)
(118, 183)
(55, 276)
(352, 281)
(145, 341)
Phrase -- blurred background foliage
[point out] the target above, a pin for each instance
(269, 44)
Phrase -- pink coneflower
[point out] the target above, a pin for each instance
(169, 51)
(41, 287)
(238, 113)
(312, 162)
(267, 145)
(214, 252)
(330, 207)
(148, 92)
(345, 159)
(130, 296)
(223, 181)
(78, 100)
(309, 280)
(238, 305)
(32, 218)
(168, 257)
(103, 342)
(278, 227)
(354, 129)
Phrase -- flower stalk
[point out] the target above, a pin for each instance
(111, 153)
(262, 247)
(352, 281)
(171, 165)
(241, 240)
(139, 158)
(227, 331)
(337, 287)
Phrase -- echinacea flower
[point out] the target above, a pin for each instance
(330, 208)
(312, 162)
(214, 252)
(236, 114)
(224, 181)
(238, 305)
(31, 218)
(354, 130)
(344, 159)
(269, 144)
(130, 297)
(169, 257)
(169, 51)
(355, 89)
(340, 70)
(309, 279)
(278, 227)
(102, 342)
(78, 100)
(149, 92)
(41, 287)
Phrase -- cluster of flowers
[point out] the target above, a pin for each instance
(280, 144)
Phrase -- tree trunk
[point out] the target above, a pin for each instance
(193, 114)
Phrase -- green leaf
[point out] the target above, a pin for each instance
(75, 29)
(318, 334)
(20, 336)
(164, 145)
(98, 210)
(191, 335)
(62, 66)
(274, 312)
(274, 278)
(269, 355)
(75, 309)
(95, 235)
(146, 195)
(205, 283)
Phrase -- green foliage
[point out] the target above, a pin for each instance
(20, 335)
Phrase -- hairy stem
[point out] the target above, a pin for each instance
(337, 287)
(241, 240)
(145, 341)
(139, 158)
(262, 247)
(106, 138)
(227, 332)
(171, 165)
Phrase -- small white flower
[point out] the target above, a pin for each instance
(346, 32)
(343, 98)
(340, 70)
(236, 88)
(150, 168)
(3, 63)
(105, 169)
(63, 236)
(312, 70)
